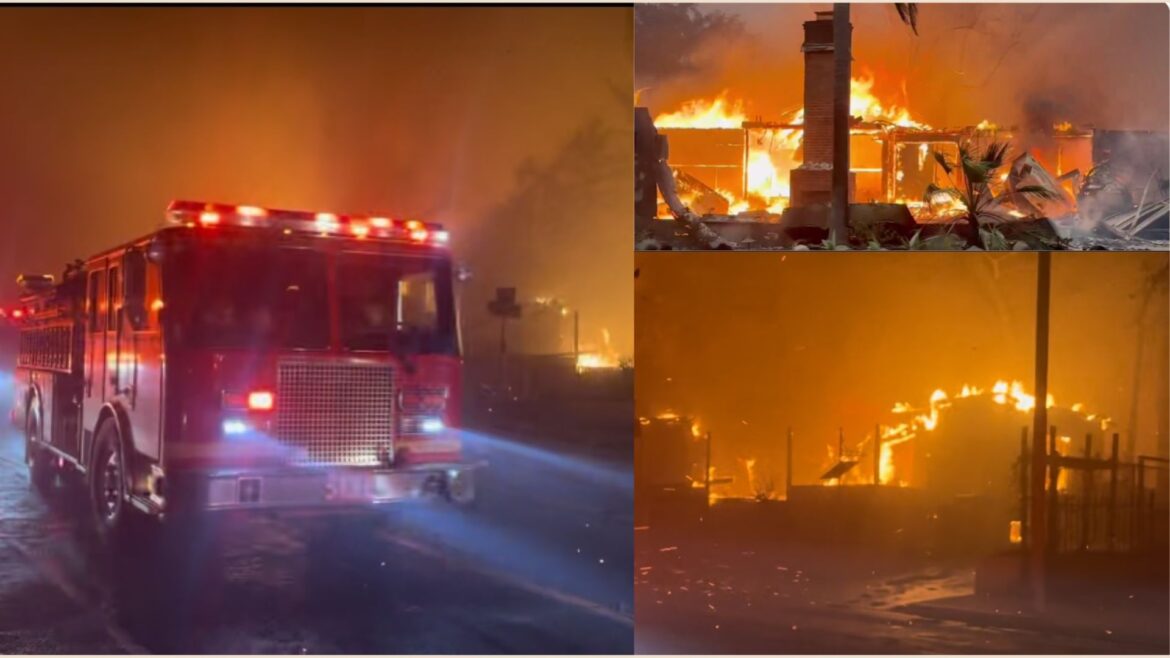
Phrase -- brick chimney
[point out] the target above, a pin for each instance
(812, 181)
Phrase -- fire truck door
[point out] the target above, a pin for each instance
(93, 394)
(140, 367)
(116, 381)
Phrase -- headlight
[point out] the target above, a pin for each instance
(234, 426)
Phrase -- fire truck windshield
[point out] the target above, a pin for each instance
(253, 297)
(401, 305)
(242, 297)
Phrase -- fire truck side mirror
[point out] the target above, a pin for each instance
(134, 302)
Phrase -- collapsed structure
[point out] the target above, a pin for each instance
(950, 472)
(727, 180)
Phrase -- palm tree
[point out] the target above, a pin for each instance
(976, 171)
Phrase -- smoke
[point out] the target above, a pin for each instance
(556, 235)
(672, 40)
(1106, 65)
(110, 113)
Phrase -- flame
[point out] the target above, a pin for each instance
(591, 361)
(749, 465)
(1062, 126)
(764, 177)
(772, 153)
(1003, 392)
(717, 112)
(862, 103)
(986, 125)
(886, 467)
(605, 358)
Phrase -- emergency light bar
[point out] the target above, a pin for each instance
(199, 214)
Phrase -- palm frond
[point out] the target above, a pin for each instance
(942, 161)
(908, 12)
(978, 172)
(995, 153)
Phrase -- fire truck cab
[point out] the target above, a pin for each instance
(242, 358)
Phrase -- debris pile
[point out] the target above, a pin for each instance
(1025, 206)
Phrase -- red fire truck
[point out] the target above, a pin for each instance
(243, 358)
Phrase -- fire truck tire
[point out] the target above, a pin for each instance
(461, 491)
(40, 463)
(115, 520)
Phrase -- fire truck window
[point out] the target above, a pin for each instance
(112, 300)
(416, 300)
(242, 297)
(95, 290)
(396, 305)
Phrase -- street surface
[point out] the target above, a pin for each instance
(698, 593)
(541, 565)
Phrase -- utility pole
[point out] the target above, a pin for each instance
(1038, 523)
(788, 468)
(842, 71)
(877, 455)
(707, 472)
(576, 334)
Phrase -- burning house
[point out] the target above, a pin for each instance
(759, 181)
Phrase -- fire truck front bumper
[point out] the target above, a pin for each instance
(294, 489)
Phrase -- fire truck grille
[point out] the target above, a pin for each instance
(336, 413)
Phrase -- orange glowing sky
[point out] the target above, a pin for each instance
(1102, 64)
(110, 113)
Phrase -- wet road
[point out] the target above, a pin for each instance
(700, 592)
(541, 566)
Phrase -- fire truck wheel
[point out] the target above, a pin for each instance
(107, 487)
(460, 490)
(40, 463)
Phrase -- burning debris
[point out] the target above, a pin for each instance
(730, 180)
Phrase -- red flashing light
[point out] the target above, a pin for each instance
(251, 211)
(326, 221)
(17, 313)
(326, 224)
(261, 400)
